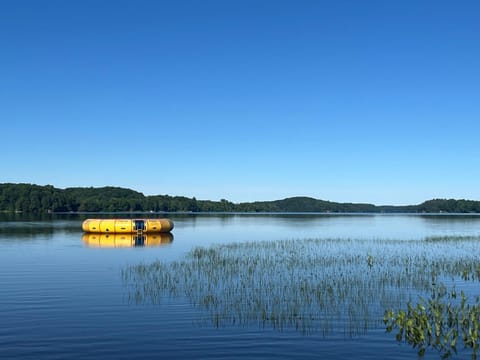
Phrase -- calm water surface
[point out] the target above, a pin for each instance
(64, 295)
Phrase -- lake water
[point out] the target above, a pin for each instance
(261, 286)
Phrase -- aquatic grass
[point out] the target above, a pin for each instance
(327, 285)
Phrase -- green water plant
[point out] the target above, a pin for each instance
(444, 321)
(370, 260)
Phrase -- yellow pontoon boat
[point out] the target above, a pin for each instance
(127, 226)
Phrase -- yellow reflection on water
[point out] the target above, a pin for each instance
(126, 240)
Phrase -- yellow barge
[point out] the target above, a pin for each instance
(127, 226)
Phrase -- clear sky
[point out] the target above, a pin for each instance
(358, 101)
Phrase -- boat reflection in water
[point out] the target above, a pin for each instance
(126, 240)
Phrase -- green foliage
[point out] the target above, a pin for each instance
(31, 198)
(450, 206)
(304, 204)
(440, 322)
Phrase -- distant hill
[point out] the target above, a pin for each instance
(450, 206)
(31, 198)
(304, 204)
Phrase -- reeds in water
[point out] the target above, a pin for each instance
(326, 285)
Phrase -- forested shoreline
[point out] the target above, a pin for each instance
(31, 198)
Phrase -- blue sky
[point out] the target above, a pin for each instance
(361, 101)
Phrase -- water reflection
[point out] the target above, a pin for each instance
(126, 240)
(16, 230)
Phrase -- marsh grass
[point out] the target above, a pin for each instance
(313, 285)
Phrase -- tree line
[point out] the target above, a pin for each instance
(31, 198)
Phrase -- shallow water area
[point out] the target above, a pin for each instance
(61, 297)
